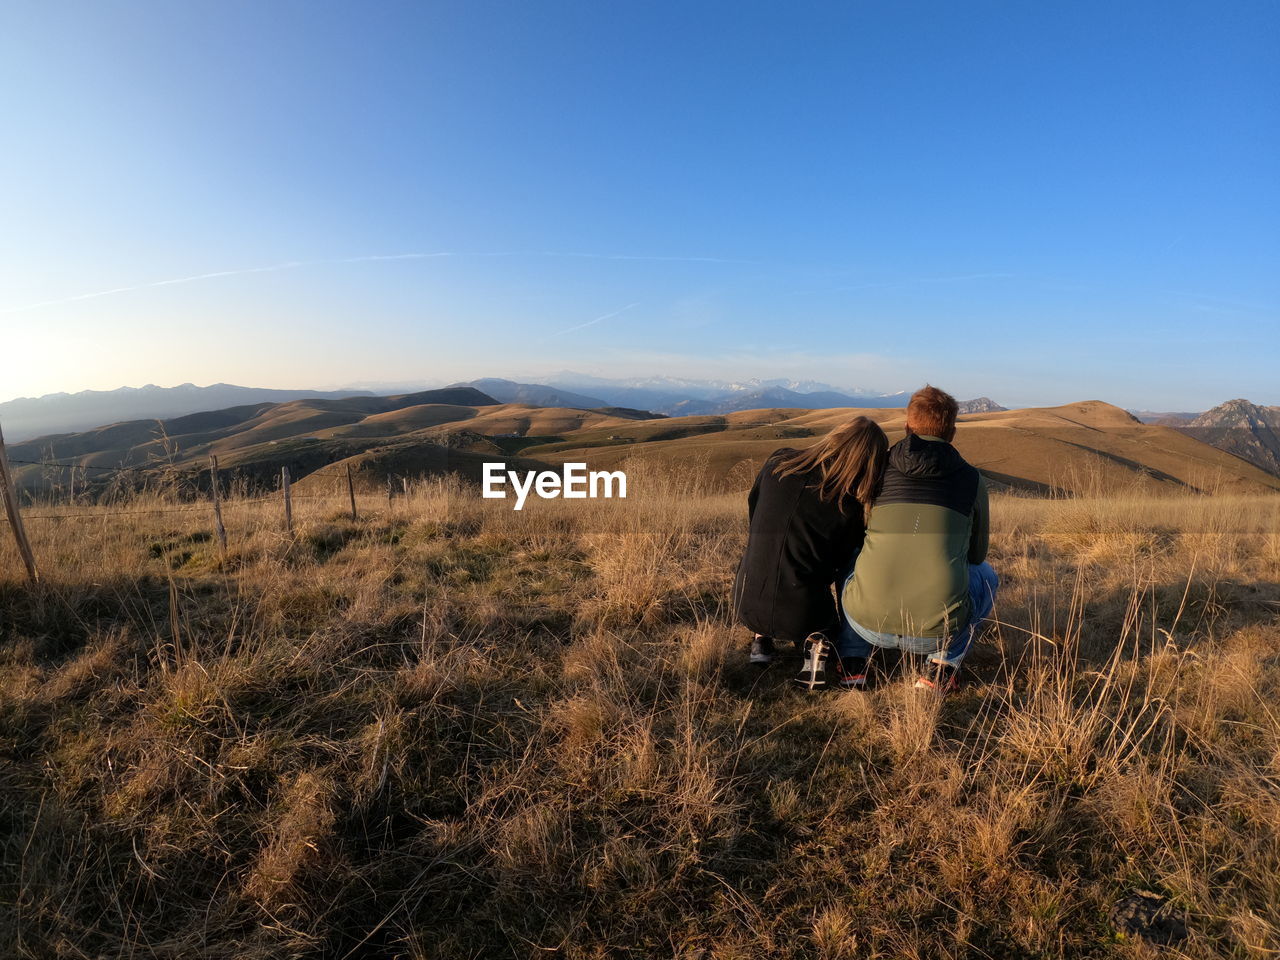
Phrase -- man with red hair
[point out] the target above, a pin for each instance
(921, 583)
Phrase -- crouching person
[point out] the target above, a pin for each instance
(807, 514)
(921, 583)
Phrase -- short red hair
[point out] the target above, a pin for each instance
(932, 413)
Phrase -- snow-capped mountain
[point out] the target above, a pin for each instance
(680, 396)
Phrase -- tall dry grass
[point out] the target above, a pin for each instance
(452, 730)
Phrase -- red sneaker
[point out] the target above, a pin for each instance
(943, 681)
(854, 672)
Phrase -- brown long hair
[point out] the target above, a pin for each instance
(850, 459)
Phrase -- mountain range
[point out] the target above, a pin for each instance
(28, 417)
(679, 396)
(1165, 418)
(676, 397)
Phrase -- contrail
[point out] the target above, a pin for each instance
(396, 256)
(297, 264)
(966, 276)
(158, 283)
(620, 256)
(911, 281)
(581, 326)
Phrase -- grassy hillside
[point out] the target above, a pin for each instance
(1079, 448)
(449, 730)
(249, 436)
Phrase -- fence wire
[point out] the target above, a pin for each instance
(104, 513)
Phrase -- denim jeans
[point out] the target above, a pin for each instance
(855, 640)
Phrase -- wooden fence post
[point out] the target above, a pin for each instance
(10, 493)
(390, 493)
(288, 500)
(351, 492)
(217, 504)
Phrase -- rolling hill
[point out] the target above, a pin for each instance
(1077, 448)
(254, 440)
(28, 417)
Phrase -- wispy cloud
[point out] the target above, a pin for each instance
(370, 258)
(966, 276)
(156, 283)
(621, 256)
(913, 281)
(1205, 303)
(375, 257)
(589, 323)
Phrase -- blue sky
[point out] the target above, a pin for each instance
(1039, 202)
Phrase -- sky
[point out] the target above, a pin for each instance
(1036, 202)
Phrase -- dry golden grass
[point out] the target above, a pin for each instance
(451, 730)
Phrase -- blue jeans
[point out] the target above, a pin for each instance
(855, 640)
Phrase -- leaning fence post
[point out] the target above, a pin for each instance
(10, 493)
(288, 500)
(351, 492)
(217, 504)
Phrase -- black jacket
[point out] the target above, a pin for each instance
(796, 547)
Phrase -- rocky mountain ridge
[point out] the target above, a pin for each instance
(1248, 430)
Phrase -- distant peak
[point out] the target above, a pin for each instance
(1236, 412)
(981, 405)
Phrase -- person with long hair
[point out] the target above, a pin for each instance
(807, 517)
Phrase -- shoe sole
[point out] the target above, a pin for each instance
(813, 681)
(810, 686)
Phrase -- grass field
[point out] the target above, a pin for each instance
(448, 730)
